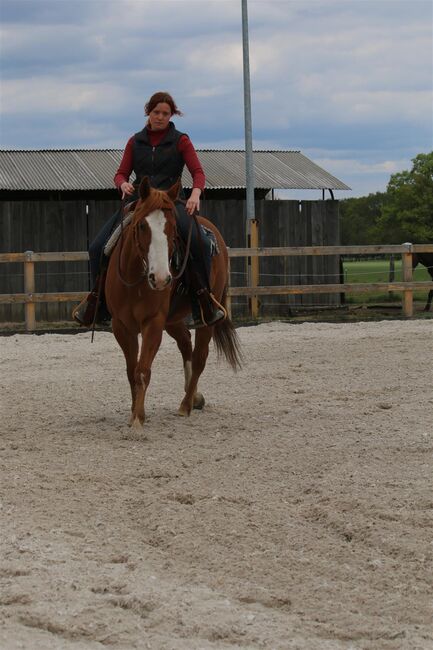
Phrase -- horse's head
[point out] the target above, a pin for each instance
(154, 225)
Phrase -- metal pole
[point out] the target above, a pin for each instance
(249, 169)
(252, 223)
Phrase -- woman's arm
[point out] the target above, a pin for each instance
(121, 178)
(193, 164)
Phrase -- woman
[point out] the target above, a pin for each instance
(160, 152)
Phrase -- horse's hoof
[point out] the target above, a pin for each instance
(135, 423)
(199, 402)
(184, 412)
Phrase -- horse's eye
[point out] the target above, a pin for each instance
(142, 226)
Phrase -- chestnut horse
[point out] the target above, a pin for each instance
(139, 287)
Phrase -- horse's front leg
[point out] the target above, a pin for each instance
(128, 341)
(199, 357)
(151, 334)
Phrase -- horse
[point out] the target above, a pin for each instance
(141, 295)
(426, 259)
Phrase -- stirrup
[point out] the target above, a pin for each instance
(194, 323)
(81, 313)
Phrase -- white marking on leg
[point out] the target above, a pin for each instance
(187, 369)
(158, 249)
(140, 343)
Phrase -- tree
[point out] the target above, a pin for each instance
(407, 214)
(403, 213)
(359, 217)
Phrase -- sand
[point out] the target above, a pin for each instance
(294, 511)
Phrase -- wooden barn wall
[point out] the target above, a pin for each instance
(293, 223)
(282, 223)
(69, 225)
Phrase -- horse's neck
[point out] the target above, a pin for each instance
(130, 258)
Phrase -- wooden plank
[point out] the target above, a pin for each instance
(67, 256)
(23, 298)
(330, 288)
(319, 250)
(77, 256)
(422, 248)
(239, 291)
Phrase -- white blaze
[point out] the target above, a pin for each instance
(158, 249)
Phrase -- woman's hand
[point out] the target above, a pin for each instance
(127, 189)
(193, 203)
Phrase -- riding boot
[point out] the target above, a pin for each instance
(84, 314)
(205, 309)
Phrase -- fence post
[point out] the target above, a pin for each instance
(391, 273)
(407, 277)
(29, 288)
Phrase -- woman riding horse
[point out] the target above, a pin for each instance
(159, 152)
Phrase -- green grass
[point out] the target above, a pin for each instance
(372, 271)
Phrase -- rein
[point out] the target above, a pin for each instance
(119, 272)
(187, 248)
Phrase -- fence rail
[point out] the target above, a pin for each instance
(29, 298)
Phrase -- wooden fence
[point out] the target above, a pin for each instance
(30, 298)
(60, 223)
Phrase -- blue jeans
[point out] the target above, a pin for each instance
(97, 246)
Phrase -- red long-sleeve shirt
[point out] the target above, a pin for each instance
(184, 146)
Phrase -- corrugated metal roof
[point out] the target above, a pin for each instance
(93, 169)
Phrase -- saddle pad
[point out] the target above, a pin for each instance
(214, 248)
(108, 248)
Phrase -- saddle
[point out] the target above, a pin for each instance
(178, 255)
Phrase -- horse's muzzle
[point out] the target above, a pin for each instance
(159, 283)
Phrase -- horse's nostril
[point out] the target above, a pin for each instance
(168, 280)
(152, 278)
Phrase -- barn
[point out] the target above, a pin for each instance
(56, 200)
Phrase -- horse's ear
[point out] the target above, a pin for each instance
(174, 191)
(144, 189)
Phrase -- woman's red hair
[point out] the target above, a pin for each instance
(161, 97)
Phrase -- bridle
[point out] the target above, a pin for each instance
(142, 254)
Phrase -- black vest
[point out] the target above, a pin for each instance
(163, 164)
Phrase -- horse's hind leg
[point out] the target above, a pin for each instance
(129, 344)
(199, 357)
(182, 336)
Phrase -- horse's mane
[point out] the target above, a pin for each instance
(157, 200)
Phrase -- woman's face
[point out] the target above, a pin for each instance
(160, 117)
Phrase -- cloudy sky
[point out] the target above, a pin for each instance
(348, 82)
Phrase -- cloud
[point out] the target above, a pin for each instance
(326, 75)
(50, 96)
(340, 166)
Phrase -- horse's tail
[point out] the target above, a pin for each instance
(226, 339)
